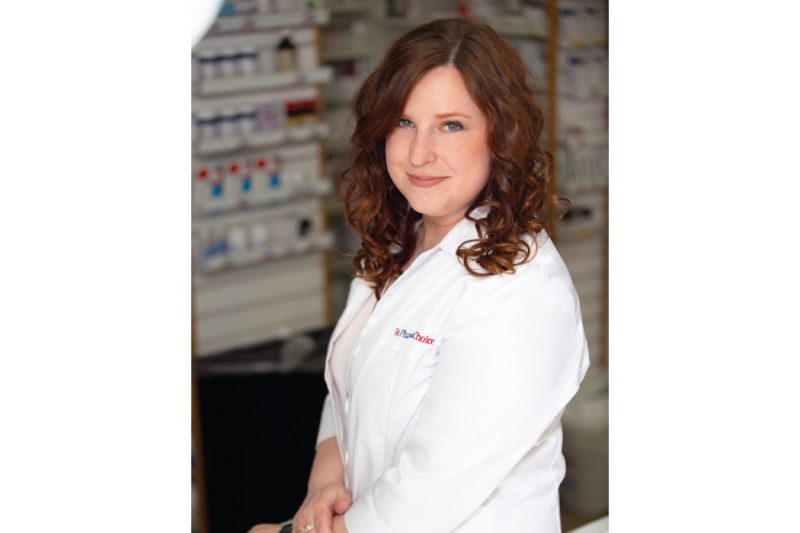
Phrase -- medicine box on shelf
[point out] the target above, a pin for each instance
(262, 82)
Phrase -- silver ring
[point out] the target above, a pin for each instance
(306, 528)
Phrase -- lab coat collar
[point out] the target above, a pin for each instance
(466, 230)
(463, 231)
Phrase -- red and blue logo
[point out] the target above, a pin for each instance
(415, 335)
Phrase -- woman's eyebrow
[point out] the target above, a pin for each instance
(452, 114)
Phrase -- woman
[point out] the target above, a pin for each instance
(461, 341)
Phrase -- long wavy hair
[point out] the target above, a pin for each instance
(516, 193)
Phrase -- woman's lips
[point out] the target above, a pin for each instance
(426, 181)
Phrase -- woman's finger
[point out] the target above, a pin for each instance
(304, 518)
(323, 521)
(343, 501)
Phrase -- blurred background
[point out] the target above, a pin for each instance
(271, 85)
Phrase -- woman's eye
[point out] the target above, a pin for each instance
(405, 123)
(453, 126)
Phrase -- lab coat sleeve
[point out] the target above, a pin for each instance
(326, 427)
(508, 363)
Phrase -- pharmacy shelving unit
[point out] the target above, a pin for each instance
(260, 233)
(580, 61)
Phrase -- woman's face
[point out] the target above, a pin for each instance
(437, 155)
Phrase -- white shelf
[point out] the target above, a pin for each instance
(299, 133)
(321, 241)
(273, 80)
(281, 95)
(321, 188)
(301, 36)
(269, 21)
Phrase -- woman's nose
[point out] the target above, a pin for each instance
(421, 150)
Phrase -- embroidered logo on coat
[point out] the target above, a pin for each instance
(413, 335)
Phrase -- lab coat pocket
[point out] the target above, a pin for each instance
(371, 367)
(418, 364)
(389, 367)
(414, 371)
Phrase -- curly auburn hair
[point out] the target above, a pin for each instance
(517, 190)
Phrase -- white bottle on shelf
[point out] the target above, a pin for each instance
(246, 122)
(208, 64)
(245, 188)
(247, 60)
(215, 202)
(276, 190)
(237, 245)
(227, 123)
(229, 63)
(201, 193)
(257, 167)
(567, 21)
(232, 192)
(259, 239)
(214, 254)
(294, 182)
(207, 123)
(286, 53)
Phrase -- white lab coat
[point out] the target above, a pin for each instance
(455, 388)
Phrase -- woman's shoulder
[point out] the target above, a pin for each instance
(546, 264)
(544, 272)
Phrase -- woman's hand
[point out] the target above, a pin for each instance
(322, 502)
